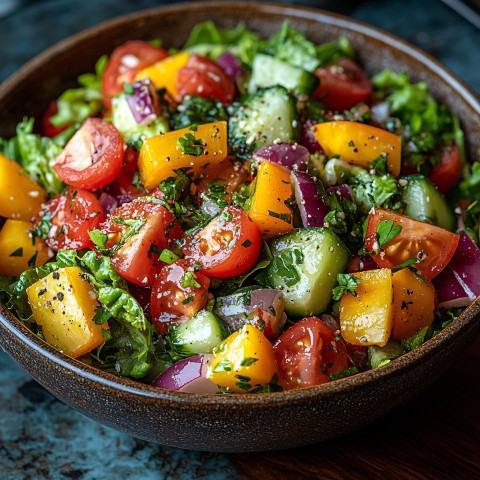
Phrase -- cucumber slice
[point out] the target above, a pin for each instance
(267, 116)
(133, 133)
(200, 334)
(268, 71)
(424, 202)
(305, 267)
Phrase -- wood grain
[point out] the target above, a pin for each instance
(435, 436)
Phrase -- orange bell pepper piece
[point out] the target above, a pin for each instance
(366, 317)
(243, 361)
(359, 144)
(270, 191)
(413, 304)
(20, 196)
(19, 250)
(162, 154)
(164, 73)
(64, 304)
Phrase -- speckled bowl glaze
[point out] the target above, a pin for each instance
(233, 423)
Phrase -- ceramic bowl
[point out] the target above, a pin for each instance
(239, 422)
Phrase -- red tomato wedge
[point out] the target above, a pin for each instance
(142, 230)
(178, 292)
(124, 64)
(431, 247)
(204, 78)
(342, 85)
(93, 157)
(446, 174)
(228, 246)
(307, 353)
(69, 217)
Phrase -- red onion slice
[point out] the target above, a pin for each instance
(459, 284)
(108, 202)
(291, 156)
(342, 190)
(309, 195)
(143, 102)
(187, 375)
(231, 65)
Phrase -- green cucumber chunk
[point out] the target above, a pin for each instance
(379, 356)
(267, 116)
(424, 202)
(268, 71)
(199, 334)
(305, 265)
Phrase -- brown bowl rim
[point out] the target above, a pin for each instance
(136, 388)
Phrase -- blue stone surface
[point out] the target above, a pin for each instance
(40, 437)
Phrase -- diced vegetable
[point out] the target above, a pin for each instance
(19, 250)
(379, 356)
(309, 195)
(292, 156)
(252, 125)
(424, 202)
(304, 267)
(187, 375)
(20, 196)
(359, 144)
(291, 77)
(143, 101)
(413, 304)
(366, 318)
(64, 305)
(189, 148)
(199, 334)
(244, 362)
(164, 73)
(271, 190)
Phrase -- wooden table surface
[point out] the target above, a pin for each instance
(436, 436)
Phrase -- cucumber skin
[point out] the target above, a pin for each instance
(318, 272)
(424, 202)
(199, 334)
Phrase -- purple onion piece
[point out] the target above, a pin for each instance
(187, 375)
(143, 102)
(293, 157)
(231, 65)
(109, 203)
(342, 190)
(459, 284)
(307, 138)
(309, 195)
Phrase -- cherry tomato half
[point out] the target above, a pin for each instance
(204, 78)
(124, 64)
(228, 246)
(69, 217)
(47, 128)
(432, 247)
(141, 230)
(178, 292)
(307, 353)
(93, 157)
(446, 174)
(342, 85)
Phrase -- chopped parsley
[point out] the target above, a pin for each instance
(247, 361)
(17, 253)
(347, 283)
(284, 265)
(286, 217)
(188, 280)
(387, 231)
(167, 256)
(189, 145)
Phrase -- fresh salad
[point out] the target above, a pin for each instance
(239, 216)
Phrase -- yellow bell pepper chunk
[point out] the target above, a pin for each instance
(366, 318)
(359, 144)
(243, 361)
(413, 304)
(162, 154)
(270, 190)
(64, 304)
(164, 73)
(19, 250)
(20, 197)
